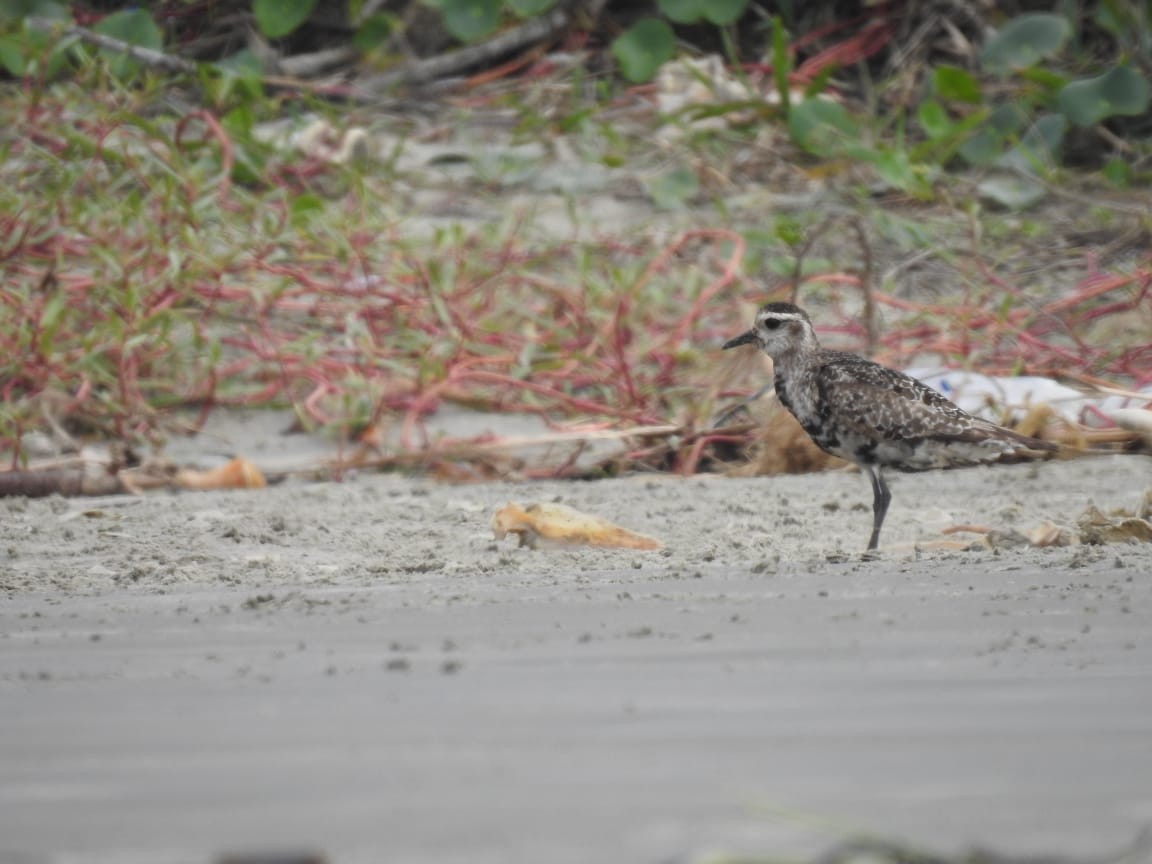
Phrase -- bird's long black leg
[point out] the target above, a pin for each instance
(881, 498)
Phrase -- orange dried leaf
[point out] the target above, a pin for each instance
(237, 474)
(556, 523)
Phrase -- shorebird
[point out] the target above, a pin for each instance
(872, 415)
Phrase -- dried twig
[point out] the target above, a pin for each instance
(316, 62)
(473, 450)
(69, 482)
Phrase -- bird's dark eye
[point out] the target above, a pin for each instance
(772, 324)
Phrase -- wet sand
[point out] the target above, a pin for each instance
(360, 669)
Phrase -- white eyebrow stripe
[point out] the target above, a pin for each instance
(781, 316)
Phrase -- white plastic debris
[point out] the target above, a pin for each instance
(988, 396)
(318, 139)
(699, 81)
(706, 81)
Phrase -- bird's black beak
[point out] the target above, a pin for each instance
(742, 339)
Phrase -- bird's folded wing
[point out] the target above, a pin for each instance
(874, 400)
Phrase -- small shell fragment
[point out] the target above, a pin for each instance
(1050, 534)
(1096, 528)
(556, 523)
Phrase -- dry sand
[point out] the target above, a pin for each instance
(360, 669)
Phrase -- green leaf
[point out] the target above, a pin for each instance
(18, 10)
(674, 188)
(243, 62)
(277, 18)
(1110, 19)
(1012, 192)
(644, 48)
(1039, 147)
(40, 53)
(724, 12)
(955, 85)
(134, 26)
(50, 318)
(1007, 119)
(239, 74)
(683, 11)
(239, 122)
(304, 206)
(895, 169)
(1120, 90)
(982, 148)
(1046, 135)
(934, 120)
(990, 140)
(1024, 41)
(789, 231)
(528, 8)
(1045, 78)
(469, 20)
(1116, 172)
(819, 82)
(373, 31)
(12, 56)
(21, 54)
(939, 151)
(821, 126)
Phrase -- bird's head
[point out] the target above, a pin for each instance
(779, 329)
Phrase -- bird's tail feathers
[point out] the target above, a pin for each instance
(1017, 447)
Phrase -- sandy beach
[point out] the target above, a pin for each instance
(360, 670)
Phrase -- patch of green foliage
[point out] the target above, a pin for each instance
(1013, 117)
(151, 262)
(649, 43)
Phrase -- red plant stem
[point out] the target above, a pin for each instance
(575, 402)
(311, 404)
(731, 270)
(861, 46)
(227, 157)
(419, 406)
(850, 279)
(1102, 287)
(692, 461)
(620, 340)
(688, 467)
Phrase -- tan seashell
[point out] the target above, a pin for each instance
(556, 523)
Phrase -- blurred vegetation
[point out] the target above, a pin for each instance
(158, 252)
(907, 87)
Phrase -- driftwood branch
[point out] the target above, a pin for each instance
(454, 62)
(162, 62)
(371, 88)
(145, 56)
